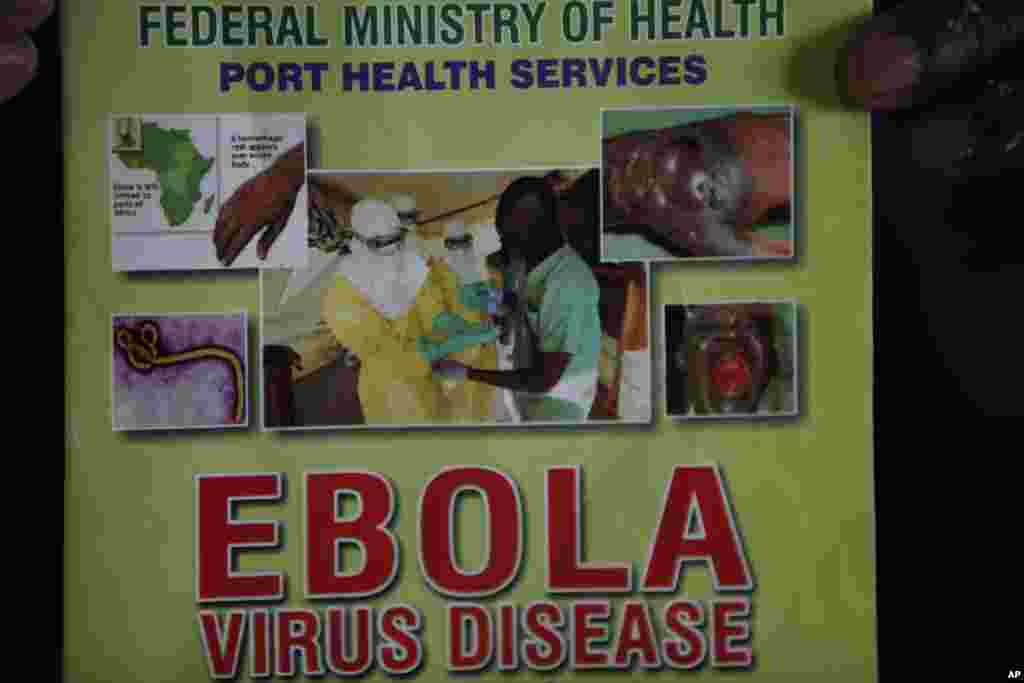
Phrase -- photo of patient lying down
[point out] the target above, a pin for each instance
(440, 299)
(697, 183)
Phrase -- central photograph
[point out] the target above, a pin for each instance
(455, 298)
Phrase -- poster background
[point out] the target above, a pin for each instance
(801, 489)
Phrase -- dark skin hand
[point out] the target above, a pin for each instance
(539, 378)
(18, 55)
(264, 203)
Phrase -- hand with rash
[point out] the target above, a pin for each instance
(263, 203)
(18, 56)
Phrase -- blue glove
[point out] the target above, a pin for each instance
(450, 370)
(484, 297)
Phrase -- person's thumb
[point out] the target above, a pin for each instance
(18, 55)
(18, 61)
(18, 17)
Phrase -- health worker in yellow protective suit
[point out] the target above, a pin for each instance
(464, 255)
(383, 298)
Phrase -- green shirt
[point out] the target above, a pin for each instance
(785, 314)
(562, 308)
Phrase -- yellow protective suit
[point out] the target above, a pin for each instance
(396, 385)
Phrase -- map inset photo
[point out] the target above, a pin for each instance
(158, 184)
(182, 185)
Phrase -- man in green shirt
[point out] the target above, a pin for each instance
(557, 381)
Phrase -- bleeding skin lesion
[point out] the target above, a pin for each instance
(764, 142)
(703, 185)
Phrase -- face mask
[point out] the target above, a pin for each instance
(486, 239)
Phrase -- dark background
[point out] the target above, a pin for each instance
(948, 263)
(33, 194)
(33, 137)
(948, 273)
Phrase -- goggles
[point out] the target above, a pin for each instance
(381, 242)
(463, 242)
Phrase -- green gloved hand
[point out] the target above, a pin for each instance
(450, 334)
(485, 297)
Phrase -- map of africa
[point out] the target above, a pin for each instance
(179, 168)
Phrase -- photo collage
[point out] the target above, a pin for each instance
(440, 298)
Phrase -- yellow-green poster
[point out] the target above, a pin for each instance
(478, 340)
